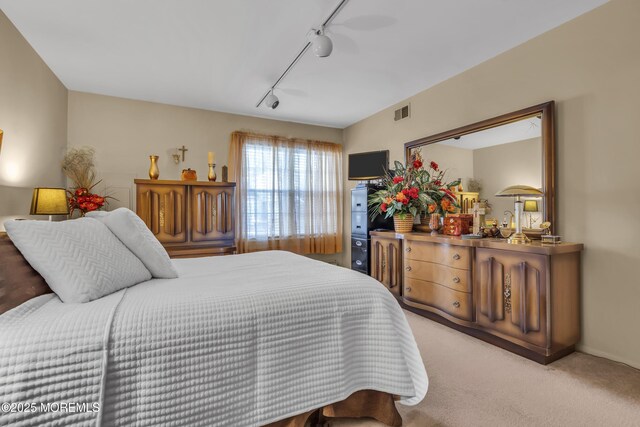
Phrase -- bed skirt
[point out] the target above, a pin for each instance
(361, 404)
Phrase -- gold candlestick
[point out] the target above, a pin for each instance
(212, 172)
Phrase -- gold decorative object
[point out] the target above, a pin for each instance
(403, 225)
(154, 172)
(189, 175)
(507, 293)
(49, 201)
(434, 223)
(1, 133)
(212, 172)
(531, 206)
(518, 191)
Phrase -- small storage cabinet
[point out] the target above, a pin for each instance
(386, 262)
(512, 291)
(189, 218)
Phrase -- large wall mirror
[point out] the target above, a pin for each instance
(513, 149)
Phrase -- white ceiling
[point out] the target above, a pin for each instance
(223, 55)
(505, 134)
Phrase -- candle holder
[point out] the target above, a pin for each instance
(212, 172)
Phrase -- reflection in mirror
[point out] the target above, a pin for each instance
(516, 148)
(489, 160)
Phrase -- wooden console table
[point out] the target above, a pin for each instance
(190, 218)
(524, 298)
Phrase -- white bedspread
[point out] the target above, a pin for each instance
(239, 340)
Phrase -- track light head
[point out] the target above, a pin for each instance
(271, 101)
(321, 44)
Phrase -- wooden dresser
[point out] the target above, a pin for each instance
(524, 298)
(189, 218)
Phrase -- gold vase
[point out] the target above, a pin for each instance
(212, 172)
(154, 172)
(403, 225)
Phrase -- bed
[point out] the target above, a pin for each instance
(240, 340)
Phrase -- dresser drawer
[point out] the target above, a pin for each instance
(455, 303)
(452, 256)
(453, 278)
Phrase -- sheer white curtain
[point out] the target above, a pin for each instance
(289, 193)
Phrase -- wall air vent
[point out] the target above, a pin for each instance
(401, 113)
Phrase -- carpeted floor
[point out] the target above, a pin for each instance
(472, 383)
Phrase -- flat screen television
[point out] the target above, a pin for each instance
(368, 166)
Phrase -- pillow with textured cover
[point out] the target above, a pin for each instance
(81, 260)
(19, 282)
(132, 231)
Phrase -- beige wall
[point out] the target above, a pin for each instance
(125, 132)
(33, 115)
(457, 162)
(591, 67)
(508, 164)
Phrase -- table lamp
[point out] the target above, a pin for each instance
(49, 201)
(518, 191)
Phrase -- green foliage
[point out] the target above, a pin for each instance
(413, 189)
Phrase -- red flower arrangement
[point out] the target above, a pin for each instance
(412, 189)
(78, 166)
(84, 201)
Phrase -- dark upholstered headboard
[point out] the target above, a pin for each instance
(19, 282)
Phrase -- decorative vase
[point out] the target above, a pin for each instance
(212, 172)
(403, 225)
(434, 223)
(154, 172)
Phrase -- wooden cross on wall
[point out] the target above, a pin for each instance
(184, 150)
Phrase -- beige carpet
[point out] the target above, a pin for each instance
(472, 383)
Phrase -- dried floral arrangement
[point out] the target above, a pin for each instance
(78, 165)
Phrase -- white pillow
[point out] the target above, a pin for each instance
(136, 236)
(81, 260)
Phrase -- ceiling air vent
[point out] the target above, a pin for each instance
(401, 113)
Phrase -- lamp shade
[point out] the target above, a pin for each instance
(520, 190)
(322, 46)
(530, 206)
(49, 201)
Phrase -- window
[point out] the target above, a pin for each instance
(289, 194)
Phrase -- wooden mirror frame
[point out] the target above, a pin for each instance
(546, 112)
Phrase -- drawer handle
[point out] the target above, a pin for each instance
(408, 268)
(358, 204)
(358, 243)
(456, 304)
(407, 289)
(408, 249)
(358, 262)
(358, 226)
(456, 279)
(456, 257)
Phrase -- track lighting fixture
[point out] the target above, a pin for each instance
(271, 101)
(321, 46)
